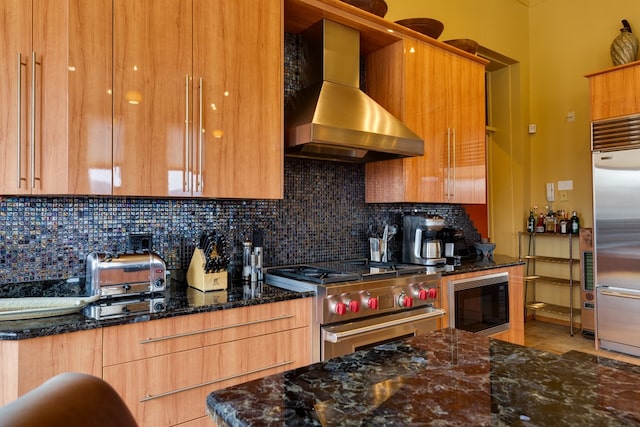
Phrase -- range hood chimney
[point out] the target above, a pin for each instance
(331, 118)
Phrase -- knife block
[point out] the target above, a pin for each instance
(198, 279)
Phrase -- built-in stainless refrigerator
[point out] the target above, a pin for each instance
(616, 186)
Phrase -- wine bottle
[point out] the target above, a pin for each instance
(575, 223)
(531, 222)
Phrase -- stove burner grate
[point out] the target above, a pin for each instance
(314, 274)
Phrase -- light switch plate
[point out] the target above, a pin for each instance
(565, 185)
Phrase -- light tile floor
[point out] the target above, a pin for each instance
(556, 339)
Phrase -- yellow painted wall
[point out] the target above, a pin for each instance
(501, 25)
(569, 38)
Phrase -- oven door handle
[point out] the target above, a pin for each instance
(335, 337)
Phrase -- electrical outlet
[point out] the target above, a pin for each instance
(564, 196)
(140, 242)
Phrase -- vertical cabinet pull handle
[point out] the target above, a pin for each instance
(32, 145)
(186, 186)
(200, 131)
(448, 186)
(19, 129)
(453, 181)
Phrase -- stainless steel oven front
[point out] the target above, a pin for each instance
(346, 338)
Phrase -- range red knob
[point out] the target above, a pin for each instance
(406, 301)
(423, 294)
(354, 306)
(433, 293)
(373, 303)
(340, 308)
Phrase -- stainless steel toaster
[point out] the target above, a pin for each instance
(125, 274)
(109, 308)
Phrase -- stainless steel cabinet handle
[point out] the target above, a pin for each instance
(219, 328)
(448, 186)
(200, 129)
(19, 130)
(619, 294)
(34, 62)
(219, 380)
(452, 189)
(186, 187)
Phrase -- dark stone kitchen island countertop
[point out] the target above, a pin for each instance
(180, 300)
(446, 378)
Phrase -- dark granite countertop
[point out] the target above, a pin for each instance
(480, 264)
(180, 300)
(445, 378)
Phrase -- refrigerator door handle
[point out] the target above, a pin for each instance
(619, 294)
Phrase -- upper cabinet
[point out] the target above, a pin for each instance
(239, 65)
(142, 98)
(152, 97)
(440, 95)
(198, 101)
(614, 91)
(55, 77)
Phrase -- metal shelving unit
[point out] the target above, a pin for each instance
(532, 258)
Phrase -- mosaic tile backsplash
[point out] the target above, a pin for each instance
(322, 217)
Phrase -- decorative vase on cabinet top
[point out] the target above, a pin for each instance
(624, 48)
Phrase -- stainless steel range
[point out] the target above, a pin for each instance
(361, 303)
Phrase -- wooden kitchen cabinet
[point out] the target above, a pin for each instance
(164, 369)
(614, 91)
(55, 117)
(440, 95)
(239, 55)
(25, 364)
(199, 98)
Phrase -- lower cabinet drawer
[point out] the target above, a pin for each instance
(171, 389)
(143, 340)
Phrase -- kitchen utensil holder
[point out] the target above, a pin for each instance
(198, 279)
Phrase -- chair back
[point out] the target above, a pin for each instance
(70, 399)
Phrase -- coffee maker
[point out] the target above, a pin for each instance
(420, 242)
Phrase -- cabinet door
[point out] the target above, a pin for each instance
(15, 16)
(89, 70)
(426, 109)
(25, 364)
(443, 103)
(58, 135)
(152, 91)
(466, 119)
(238, 54)
(613, 92)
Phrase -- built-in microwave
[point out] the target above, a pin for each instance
(480, 304)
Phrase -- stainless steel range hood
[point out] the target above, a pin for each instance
(331, 118)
